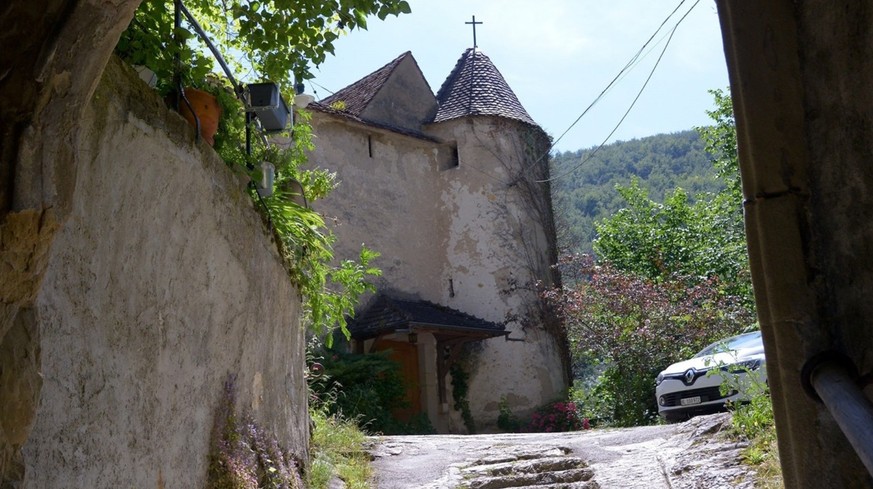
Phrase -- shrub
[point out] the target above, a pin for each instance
(556, 417)
(507, 421)
(363, 388)
(637, 326)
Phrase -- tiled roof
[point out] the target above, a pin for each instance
(387, 314)
(358, 95)
(321, 107)
(475, 87)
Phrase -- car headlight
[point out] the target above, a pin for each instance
(659, 379)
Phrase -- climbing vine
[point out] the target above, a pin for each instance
(460, 389)
(525, 161)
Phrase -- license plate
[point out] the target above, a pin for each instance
(690, 400)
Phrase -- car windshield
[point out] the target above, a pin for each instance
(732, 344)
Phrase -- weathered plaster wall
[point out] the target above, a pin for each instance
(499, 248)
(404, 100)
(54, 52)
(160, 284)
(385, 202)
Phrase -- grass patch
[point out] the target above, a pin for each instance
(337, 451)
(763, 454)
(754, 422)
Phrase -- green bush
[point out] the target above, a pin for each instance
(507, 421)
(363, 388)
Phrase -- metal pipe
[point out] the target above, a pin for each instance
(848, 405)
(211, 46)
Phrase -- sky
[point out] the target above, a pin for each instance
(557, 56)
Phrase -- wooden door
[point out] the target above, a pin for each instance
(405, 354)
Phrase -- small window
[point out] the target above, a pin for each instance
(370, 145)
(451, 158)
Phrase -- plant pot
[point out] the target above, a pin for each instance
(208, 111)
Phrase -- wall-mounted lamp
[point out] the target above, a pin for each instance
(268, 177)
(267, 103)
(413, 337)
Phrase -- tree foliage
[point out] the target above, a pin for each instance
(277, 40)
(672, 277)
(638, 326)
(698, 239)
(659, 163)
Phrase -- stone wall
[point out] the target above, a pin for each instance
(800, 81)
(161, 284)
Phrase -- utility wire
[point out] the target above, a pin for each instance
(632, 62)
(633, 103)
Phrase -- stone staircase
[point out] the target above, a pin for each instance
(527, 468)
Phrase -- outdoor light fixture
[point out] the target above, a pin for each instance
(268, 176)
(267, 103)
(413, 337)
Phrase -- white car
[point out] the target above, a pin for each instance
(693, 386)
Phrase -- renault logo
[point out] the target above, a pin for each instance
(689, 376)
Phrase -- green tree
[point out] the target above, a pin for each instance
(660, 163)
(672, 277)
(278, 40)
(699, 239)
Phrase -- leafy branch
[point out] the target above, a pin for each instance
(277, 40)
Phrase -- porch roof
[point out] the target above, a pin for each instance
(387, 315)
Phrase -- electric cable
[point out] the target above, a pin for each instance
(633, 103)
(632, 62)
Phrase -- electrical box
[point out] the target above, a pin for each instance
(269, 106)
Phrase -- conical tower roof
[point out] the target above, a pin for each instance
(476, 87)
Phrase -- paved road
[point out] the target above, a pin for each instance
(671, 457)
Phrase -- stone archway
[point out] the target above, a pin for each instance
(54, 52)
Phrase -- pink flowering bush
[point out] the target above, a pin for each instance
(556, 417)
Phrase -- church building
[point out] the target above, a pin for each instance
(452, 189)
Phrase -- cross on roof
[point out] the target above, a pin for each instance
(474, 24)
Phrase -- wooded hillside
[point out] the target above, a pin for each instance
(587, 194)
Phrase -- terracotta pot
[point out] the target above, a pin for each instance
(207, 109)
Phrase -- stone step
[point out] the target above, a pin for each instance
(522, 455)
(564, 485)
(517, 480)
(538, 465)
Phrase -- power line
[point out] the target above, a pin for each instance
(632, 62)
(633, 103)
